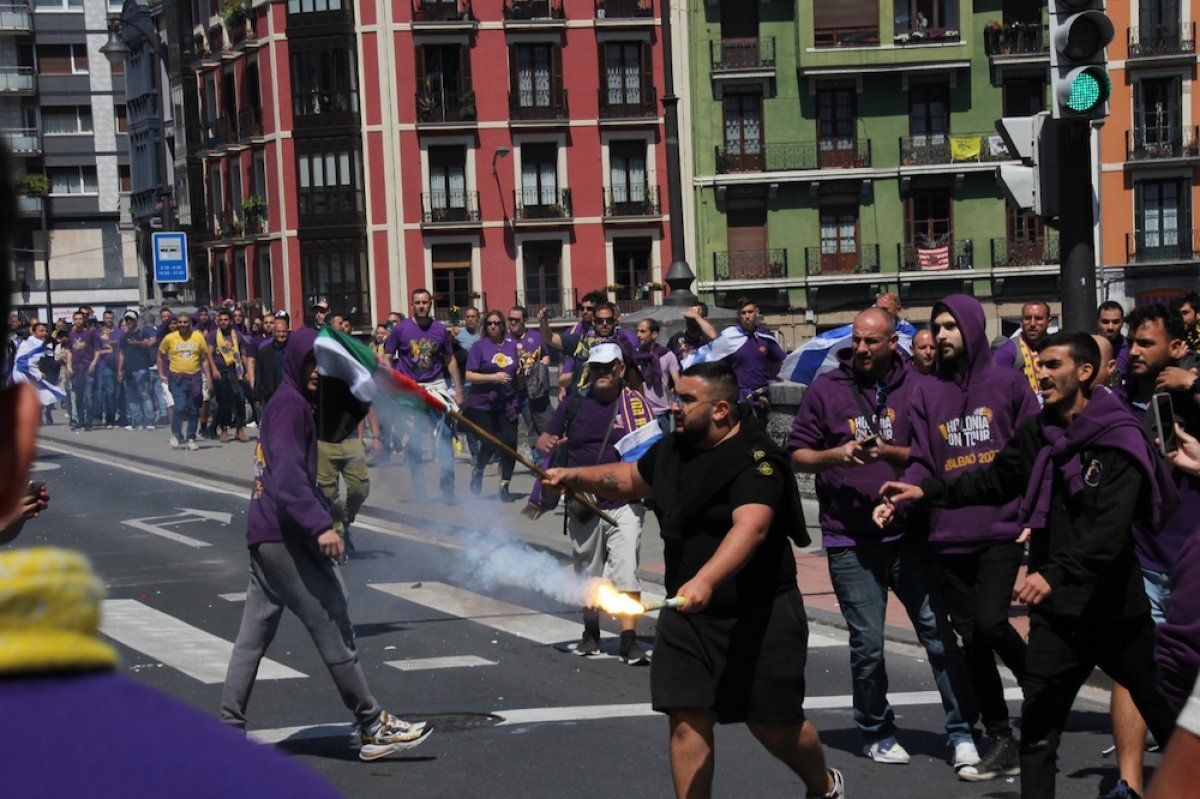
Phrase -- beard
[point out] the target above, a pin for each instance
(694, 428)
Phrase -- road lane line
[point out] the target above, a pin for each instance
(198, 654)
(541, 628)
(823, 641)
(238, 597)
(450, 662)
(170, 535)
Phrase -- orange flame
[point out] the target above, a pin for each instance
(610, 600)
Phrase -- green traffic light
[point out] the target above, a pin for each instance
(1089, 89)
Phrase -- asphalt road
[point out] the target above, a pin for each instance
(515, 713)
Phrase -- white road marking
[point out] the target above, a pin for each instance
(238, 597)
(551, 715)
(43, 466)
(541, 628)
(162, 532)
(157, 525)
(198, 654)
(822, 640)
(451, 662)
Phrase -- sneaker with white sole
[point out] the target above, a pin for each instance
(1002, 760)
(174, 442)
(148, 427)
(839, 787)
(130, 427)
(389, 734)
(965, 754)
(192, 446)
(887, 750)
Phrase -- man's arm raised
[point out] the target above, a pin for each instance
(609, 480)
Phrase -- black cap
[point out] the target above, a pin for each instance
(282, 315)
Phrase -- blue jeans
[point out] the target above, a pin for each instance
(81, 397)
(431, 425)
(861, 578)
(105, 406)
(1158, 590)
(185, 390)
(138, 404)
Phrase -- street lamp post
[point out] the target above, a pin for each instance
(679, 275)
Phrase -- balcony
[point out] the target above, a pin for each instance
(244, 36)
(30, 204)
(796, 156)
(1161, 246)
(317, 22)
(856, 36)
(15, 18)
(531, 206)
(446, 312)
(250, 125)
(616, 106)
(1017, 42)
(827, 261)
(561, 303)
(333, 206)
(144, 203)
(449, 106)
(1162, 144)
(750, 265)
(911, 36)
(952, 148)
(533, 11)
(443, 13)
(950, 254)
(737, 57)
(22, 141)
(452, 209)
(539, 106)
(622, 204)
(624, 11)
(16, 80)
(1022, 253)
(1162, 43)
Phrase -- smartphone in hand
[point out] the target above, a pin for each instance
(1164, 423)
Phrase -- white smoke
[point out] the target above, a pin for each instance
(494, 559)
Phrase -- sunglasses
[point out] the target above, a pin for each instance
(588, 308)
(602, 369)
(604, 320)
(493, 323)
(516, 320)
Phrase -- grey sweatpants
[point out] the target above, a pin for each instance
(293, 575)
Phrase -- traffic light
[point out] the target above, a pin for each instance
(1079, 82)
(1031, 185)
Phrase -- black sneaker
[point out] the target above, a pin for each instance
(631, 652)
(1002, 760)
(1122, 791)
(476, 482)
(589, 644)
(505, 494)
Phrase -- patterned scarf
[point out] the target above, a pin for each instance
(231, 351)
(1029, 365)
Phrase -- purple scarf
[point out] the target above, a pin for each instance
(649, 363)
(1105, 422)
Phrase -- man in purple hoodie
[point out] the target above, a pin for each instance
(289, 530)
(853, 432)
(961, 416)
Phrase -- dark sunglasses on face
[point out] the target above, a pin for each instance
(604, 320)
(493, 323)
(516, 320)
(602, 369)
(587, 308)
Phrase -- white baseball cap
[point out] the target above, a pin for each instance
(605, 353)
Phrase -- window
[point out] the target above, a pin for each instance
(65, 120)
(121, 118)
(542, 261)
(627, 172)
(337, 270)
(631, 266)
(58, 5)
(324, 82)
(452, 274)
(1163, 218)
(259, 175)
(928, 112)
(1157, 119)
(836, 124)
(62, 59)
(926, 19)
(72, 179)
(214, 194)
(626, 72)
(123, 178)
(235, 189)
(845, 23)
(328, 182)
(447, 178)
(310, 6)
(263, 279)
(539, 174)
(839, 239)
(537, 75)
(1024, 96)
(927, 218)
(743, 131)
(444, 80)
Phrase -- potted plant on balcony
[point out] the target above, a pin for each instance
(254, 207)
(235, 13)
(427, 103)
(613, 288)
(33, 184)
(466, 107)
(239, 227)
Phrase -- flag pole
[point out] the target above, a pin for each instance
(436, 404)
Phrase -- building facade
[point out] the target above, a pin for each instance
(62, 112)
(496, 153)
(1149, 154)
(843, 149)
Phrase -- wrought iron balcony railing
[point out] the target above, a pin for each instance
(936, 256)
(1022, 252)
(750, 264)
(1156, 144)
(1162, 40)
(450, 207)
(1017, 39)
(827, 259)
(785, 156)
(1150, 246)
(952, 148)
(541, 204)
(631, 201)
(739, 55)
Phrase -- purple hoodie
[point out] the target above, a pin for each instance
(1178, 650)
(829, 416)
(961, 420)
(285, 502)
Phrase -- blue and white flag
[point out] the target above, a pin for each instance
(26, 370)
(818, 355)
(636, 444)
(730, 341)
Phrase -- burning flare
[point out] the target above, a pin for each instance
(610, 600)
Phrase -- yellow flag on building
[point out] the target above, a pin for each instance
(965, 148)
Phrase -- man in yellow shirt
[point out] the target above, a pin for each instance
(182, 360)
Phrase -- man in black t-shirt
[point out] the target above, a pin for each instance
(727, 505)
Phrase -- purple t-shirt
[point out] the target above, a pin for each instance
(756, 362)
(420, 351)
(109, 338)
(84, 344)
(589, 428)
(488, 357)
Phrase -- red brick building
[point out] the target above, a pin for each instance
(499, 152)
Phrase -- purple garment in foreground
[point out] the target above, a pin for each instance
(420, 351)
(132, 741)
(1178, 650)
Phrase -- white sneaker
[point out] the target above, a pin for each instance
(390, 734)
(252, 425)
(130, 427)
(965, 754)
(148, 427)
(174, 442)
(887, 750)
(192, 446)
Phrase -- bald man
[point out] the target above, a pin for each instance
(890, 304)
(924, 352)
(1108, 361)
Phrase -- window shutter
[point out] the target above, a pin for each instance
(556, 79)
(420, 57)
(464, 69)
(647, 74)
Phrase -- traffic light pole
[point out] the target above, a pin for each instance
(1075, 224)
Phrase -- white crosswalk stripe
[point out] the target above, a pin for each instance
(450, 662)
(198, 654)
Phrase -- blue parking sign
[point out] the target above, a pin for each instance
(170, 257)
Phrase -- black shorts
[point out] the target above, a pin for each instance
(746, 668)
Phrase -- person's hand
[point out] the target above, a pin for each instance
(1032, 590)
(883, 514)
(376, 445)
(852, 454)
(32, 504)
(698, 592)
(1024, 536)
(894, 492)
(331, 544)
(504, 378)
(562, 394)
(120, 376)
(458, 396)
(547, 442)
(92, 368)
(544, 315)
(1173, 378)
(692, 313)
(1186, 456)
(557, 480)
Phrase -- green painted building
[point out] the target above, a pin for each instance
(843, 148)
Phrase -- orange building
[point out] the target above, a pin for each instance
(1150, 153)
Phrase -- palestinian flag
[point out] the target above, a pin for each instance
(347, 359)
